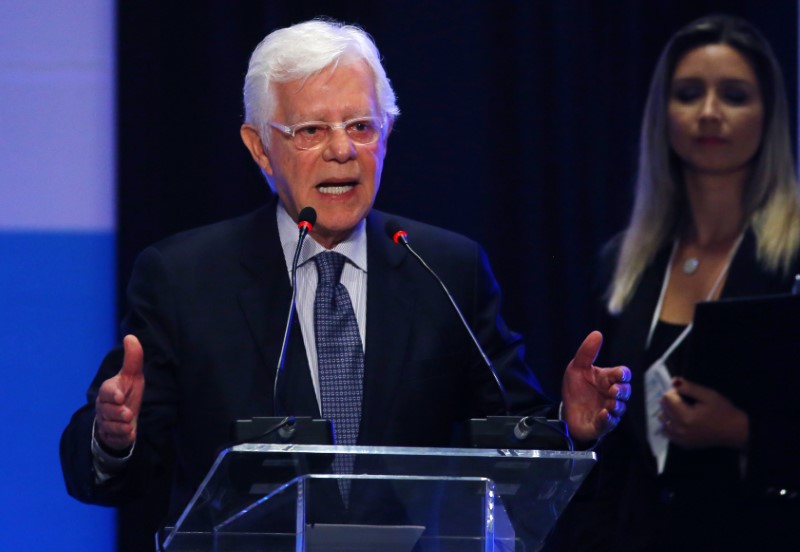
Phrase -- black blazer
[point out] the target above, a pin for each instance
(209, 307)
(626, 506)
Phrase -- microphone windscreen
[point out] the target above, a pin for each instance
(307, 215)
(392, 228)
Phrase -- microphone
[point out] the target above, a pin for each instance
(400, 236)
(495, 431)
(305, 223)
(280, 429)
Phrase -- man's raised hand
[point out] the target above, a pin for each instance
(120, 399)
(594, 398)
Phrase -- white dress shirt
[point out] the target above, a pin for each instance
(354, 278)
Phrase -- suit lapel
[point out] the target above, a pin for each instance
(746, 276)
(390, 307)
(265, 303)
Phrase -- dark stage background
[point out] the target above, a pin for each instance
(519, 129)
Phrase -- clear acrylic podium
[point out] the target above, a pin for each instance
(284, 497)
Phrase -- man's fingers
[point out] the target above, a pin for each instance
(589, 349)
(115, 425)
(119, 398)
(622, 391)
(617, 408)
(116, 435)
(111, 392)
(607, 421)
(133, 363)
(113, 412)
(108, 393)
(111, 428)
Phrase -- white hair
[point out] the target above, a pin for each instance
(304, 50)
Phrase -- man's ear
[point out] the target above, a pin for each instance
(253, 143)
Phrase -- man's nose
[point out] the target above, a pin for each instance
(340, 147)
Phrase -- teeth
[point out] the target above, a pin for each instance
(335, 190)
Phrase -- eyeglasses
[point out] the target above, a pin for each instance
(313, 134)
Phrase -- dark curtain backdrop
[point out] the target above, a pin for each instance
(519, 129)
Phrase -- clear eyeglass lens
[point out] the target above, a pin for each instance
(360, 131)
(308, 136)
(363, 131)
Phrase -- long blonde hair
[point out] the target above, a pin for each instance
(772, 200)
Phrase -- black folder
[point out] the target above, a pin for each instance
(748, 349)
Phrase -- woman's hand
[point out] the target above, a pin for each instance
(708, 419)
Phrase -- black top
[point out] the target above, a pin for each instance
(705, 499)
(664, 336)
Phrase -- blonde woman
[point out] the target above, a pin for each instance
(716, 215)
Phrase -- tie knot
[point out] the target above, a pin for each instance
(329, 267)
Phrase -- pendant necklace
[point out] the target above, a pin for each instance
(690, 265)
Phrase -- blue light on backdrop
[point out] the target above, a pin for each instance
(57, 316)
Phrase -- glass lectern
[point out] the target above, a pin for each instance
(284, 497)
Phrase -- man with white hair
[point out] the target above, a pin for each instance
(207, 308)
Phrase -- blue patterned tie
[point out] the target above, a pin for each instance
(340, 357)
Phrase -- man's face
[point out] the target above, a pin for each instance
(340, 178)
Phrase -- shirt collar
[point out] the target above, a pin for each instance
(354, 247)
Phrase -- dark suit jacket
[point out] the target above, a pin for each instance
(633, 509)
(209, 307)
